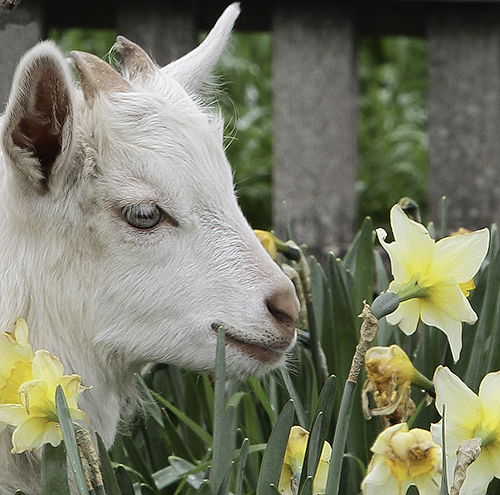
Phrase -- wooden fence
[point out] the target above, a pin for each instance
(315, 91)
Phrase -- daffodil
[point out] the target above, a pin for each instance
(389, 376)
(468, 416)
(432, 279)
(31, 407)
(384, 363)
(15, 350)
(267, 240)
(402, 458)
(294, 460)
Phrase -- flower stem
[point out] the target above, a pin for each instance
(368, 331)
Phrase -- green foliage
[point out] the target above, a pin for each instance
(392, 119)
(246, 102)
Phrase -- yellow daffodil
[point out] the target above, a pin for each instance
(432, 279)
(294, 459)
(403, 458)
(31, 407)
(267, 240)
(15, 350)
(468, 416)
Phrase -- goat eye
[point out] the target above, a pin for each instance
(142, 215)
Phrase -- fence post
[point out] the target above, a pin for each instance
(315, 122)
(464, 113)
(19, 30)
(166, 30)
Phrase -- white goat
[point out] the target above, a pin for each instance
(121, 241)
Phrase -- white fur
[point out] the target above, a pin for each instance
(106, 297)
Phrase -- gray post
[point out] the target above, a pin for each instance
(165, 29)
(464, 114)
(19, 30)
(315, 123)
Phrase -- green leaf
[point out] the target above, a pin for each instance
(342, 343)
(54, 470)
(124, 482)
(68, 432)
(149, 403)
(205, 488)
(192, 425)
(177, 444)
(274, 454)
(241, 466)
(107, 471)
(224, 423)
(299, 408)
(340, 438)
(326, 403)
(307, 486)
(146, 490)
(263, 398)
(359, 262)
(138, 462)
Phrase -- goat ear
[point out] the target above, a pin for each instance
(96, 76)
(135, 62)
(194, 68)
(38, 126)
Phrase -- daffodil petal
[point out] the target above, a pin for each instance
(47, 367)
(413, 240)
(426, 485)
(33, 433)
(398, 266)
(406, 316)
(488, 393)
(463, 405)
(477, 479)
(460, 256)
(447, 297)
(381, 442)
(452, 328)
(12, 414)
(71, 385)
(379, 476)
(21, 332)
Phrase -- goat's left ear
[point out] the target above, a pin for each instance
(37, 134)
(193, 69)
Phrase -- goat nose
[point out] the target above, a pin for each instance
(284, 307)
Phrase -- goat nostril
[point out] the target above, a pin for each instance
(284, 308)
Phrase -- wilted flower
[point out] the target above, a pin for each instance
(432, 279)
(403, 458)
(28, 393)
(389, 375)
(294, 460)
(469, 416)
(384, 363)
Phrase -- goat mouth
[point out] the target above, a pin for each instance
(259, 351)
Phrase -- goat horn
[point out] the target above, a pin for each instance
(135, 61)
(97, 76)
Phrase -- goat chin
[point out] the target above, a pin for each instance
(121, 240)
